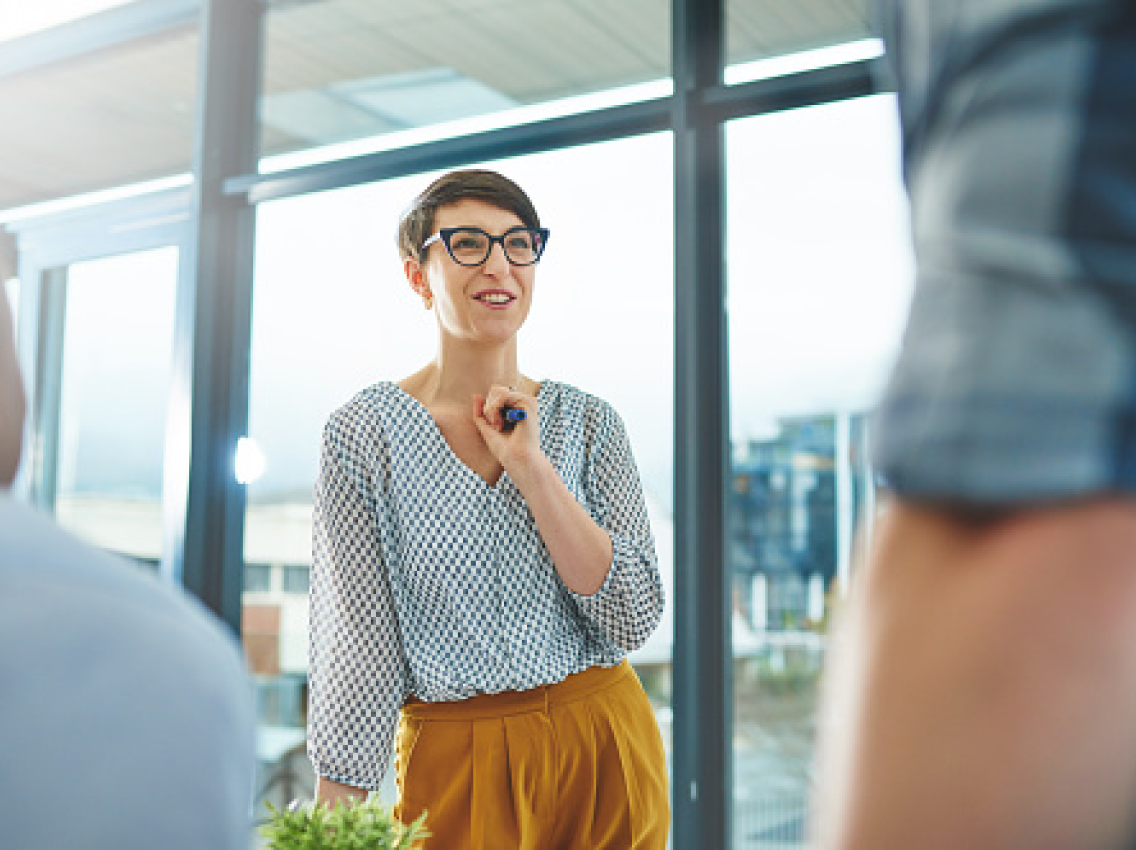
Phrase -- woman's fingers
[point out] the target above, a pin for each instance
(505, 407)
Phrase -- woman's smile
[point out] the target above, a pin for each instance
(495, 299)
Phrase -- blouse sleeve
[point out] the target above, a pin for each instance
(628, 606)
(358, 669)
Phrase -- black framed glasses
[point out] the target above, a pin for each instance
(470, 246)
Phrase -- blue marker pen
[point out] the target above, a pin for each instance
(512, 415)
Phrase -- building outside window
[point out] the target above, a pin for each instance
(819, 280)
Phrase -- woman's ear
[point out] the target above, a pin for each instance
(417, 280)
(414, 276)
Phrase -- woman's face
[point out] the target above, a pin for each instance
(484, 303)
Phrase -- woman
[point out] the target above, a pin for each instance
(476, 581)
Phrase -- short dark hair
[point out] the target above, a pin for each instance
(477, 184)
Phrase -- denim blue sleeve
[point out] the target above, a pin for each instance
(1016, 379)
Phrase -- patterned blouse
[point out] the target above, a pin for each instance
(426, 580)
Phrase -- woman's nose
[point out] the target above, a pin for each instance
(497, 261)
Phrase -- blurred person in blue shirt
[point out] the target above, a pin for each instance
(126, 710)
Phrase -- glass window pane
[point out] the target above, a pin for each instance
(103, 119)
(258, 578)
(384, 72)
(819, 282)
(117, 349)
(297, 579)
(769, 37)
(333, 313)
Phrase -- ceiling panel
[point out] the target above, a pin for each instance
(522, 51)
(107, 119)
(760, 29)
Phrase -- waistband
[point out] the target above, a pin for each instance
(542, 698)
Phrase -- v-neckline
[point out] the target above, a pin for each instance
(422, 409)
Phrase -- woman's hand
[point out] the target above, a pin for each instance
(581, 550)
(329, 792)
(515, 445)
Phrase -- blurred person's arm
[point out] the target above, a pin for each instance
(984, 685)
(984, 679)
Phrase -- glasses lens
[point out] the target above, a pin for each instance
(469, 247)
(522, 247)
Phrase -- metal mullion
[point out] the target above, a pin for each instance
(105, 230)
(44, 307)
(29, 274)
(617, 122)
(703, 688)
(203, 503)
(814, 87)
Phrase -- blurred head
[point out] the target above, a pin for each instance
(12, 400)
(489, 187)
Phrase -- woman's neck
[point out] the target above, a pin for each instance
(457, 374)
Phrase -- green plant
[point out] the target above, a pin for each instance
(342, 826)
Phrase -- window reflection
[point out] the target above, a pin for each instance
(820, 274)
(117, 348)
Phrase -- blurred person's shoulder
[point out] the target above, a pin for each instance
(37, 554)
(120, 681)
(52, 583)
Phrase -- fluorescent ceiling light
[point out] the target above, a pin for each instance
(464, 126)
(424, 97)
(355, 109)
(805, 60)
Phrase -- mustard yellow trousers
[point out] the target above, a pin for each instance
(575, 764)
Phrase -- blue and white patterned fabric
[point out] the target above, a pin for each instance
(426, 580)
(1017, 378)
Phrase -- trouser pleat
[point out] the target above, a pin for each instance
(578, 764)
